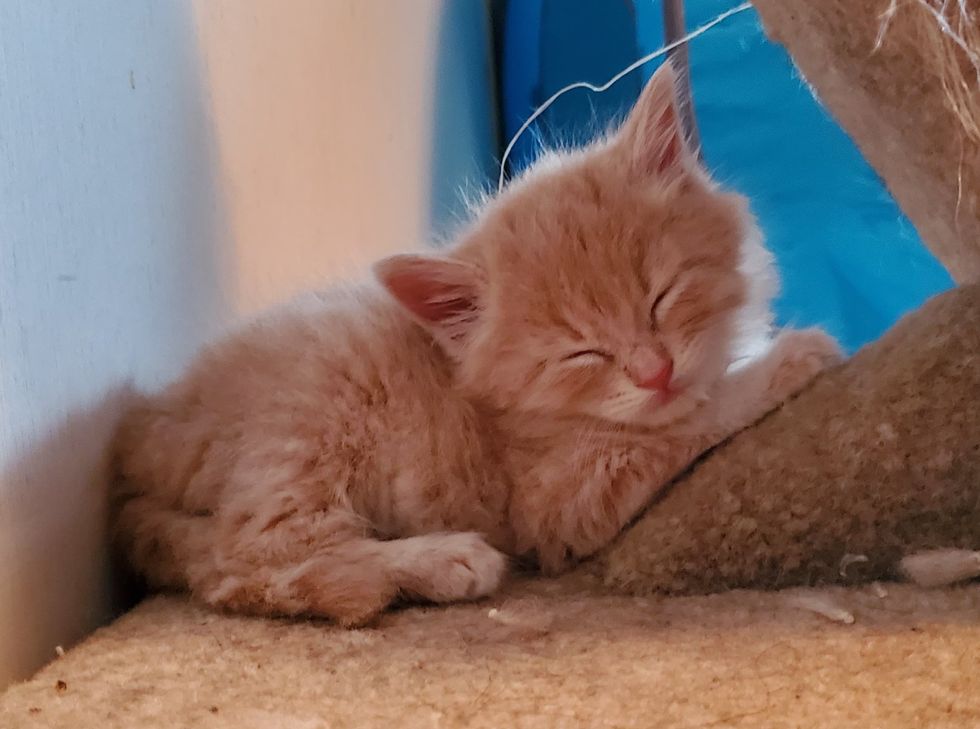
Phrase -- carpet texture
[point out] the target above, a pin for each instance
(543, 654)
(878, 459)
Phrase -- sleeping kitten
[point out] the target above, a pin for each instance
(525, 393)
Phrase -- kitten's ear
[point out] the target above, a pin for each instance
(444, 295)
(652, 136)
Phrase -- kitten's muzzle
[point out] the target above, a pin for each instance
(659, 380)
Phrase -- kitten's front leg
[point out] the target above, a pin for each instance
(745, 395)
(576, 501)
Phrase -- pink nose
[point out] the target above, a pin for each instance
(660, 380)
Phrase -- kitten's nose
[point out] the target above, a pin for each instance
(659, 380)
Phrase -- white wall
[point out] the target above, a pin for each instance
(164, 168)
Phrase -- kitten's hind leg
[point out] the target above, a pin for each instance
(328, 564)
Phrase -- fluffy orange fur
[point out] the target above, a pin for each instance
(602, 322)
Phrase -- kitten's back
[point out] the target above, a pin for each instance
(313, 385)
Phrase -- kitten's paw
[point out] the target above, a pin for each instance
(800, 356)
(456, 567)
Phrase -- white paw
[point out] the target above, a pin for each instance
(457, 567)
(801, 355)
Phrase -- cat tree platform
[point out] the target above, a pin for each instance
(543, 654)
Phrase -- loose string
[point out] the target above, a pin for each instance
(604, 87)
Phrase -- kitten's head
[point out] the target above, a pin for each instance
(611, 282)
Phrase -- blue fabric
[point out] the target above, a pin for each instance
(519, 73)
(552, 43)
(849, 260)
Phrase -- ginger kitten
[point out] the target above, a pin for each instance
(524, 393)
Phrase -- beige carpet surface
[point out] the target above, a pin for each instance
(543, 654)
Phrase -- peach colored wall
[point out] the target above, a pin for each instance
(324, 120)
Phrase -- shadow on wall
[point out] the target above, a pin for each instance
(113, 265)
(62, 583)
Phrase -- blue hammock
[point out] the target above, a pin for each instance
(849, 259)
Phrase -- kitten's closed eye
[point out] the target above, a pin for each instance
(588, 356)
(658, 302)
